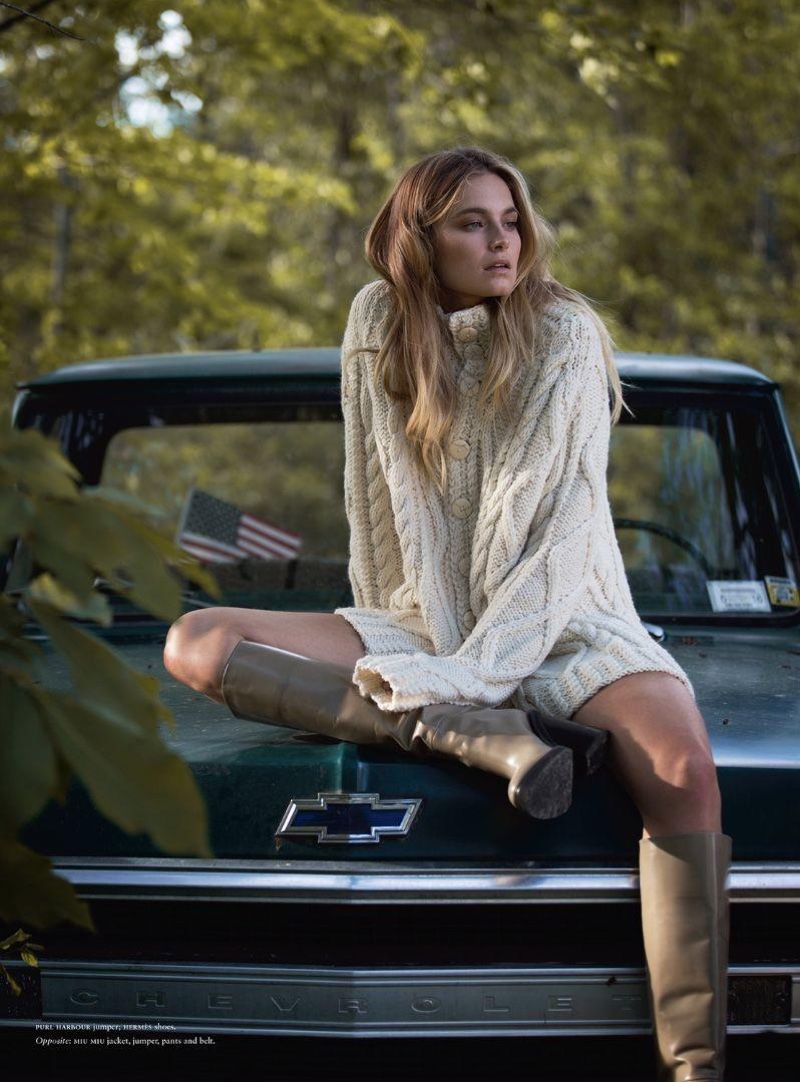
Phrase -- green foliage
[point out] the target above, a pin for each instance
(104, 729)
(658, 137)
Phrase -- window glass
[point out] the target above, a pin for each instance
(696, 502)
(694, 493)
(261, 503)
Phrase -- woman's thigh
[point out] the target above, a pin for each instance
(660, 750)
(200, 642)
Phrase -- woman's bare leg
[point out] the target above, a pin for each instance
(200, 642)
(660, 751)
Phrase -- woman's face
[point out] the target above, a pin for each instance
(477, 244)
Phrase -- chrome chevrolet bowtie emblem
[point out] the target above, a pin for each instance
(348, 817)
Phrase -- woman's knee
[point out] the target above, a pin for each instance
(693, 776)
(197, 646)
(660, 748)
(682, 792)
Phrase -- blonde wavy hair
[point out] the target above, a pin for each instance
(412, 358)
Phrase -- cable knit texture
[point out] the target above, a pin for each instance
(509, 588)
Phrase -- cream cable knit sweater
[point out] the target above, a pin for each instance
(509, 589)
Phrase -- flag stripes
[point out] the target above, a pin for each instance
(218, 532)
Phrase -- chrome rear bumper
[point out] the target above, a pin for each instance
(175, 879)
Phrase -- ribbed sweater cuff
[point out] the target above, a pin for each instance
(406, 681)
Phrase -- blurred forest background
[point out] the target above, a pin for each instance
(201, 175)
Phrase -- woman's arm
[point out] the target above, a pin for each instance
(563, 468)
(374, 555)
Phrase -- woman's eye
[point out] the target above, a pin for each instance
(513, 224)
(473, 225)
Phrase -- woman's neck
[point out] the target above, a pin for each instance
(453, 302)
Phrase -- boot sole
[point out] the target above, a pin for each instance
(545, 791)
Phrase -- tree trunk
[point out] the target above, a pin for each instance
(340, 230)
(63, 237)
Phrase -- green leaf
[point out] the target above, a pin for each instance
(93, 606)
(74, 571)
(16, 511)
(76, 539)
(188, 568)
(29, 774)
(148, 551)
(152, 586)
(101, 679)
(124, 501)
(134, 779)
(30, 459)
(19, 657)
(63, 779)
(29, 957)
(31, 891)
(111, 541)
(154, 539)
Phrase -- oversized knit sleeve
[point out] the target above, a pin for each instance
(374, 556)
(552, 497)
(376, 562)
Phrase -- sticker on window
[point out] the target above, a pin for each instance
(782, 591)
(738, 596)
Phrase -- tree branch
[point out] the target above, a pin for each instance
(6, 24)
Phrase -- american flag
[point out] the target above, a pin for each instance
(217, 532)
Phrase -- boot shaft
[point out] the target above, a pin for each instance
(685, 924)
(263, 683)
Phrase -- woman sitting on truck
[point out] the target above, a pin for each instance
(493, 621)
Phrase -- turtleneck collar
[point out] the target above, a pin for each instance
(471, 331)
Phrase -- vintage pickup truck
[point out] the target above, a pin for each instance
(360, 892)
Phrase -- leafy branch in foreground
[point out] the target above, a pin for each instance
(104, 729)
(20, 942)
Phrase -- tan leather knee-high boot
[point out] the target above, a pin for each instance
(685, 925)
(263, 683)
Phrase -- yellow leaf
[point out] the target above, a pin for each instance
(15, 989)
(16, 937)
